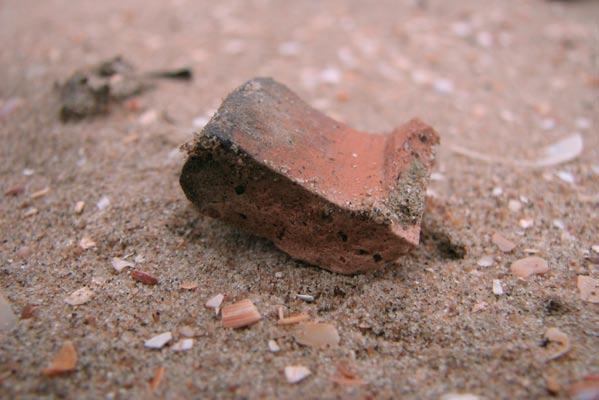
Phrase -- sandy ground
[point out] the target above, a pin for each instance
(504, 78)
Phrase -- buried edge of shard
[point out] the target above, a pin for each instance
(324, 193)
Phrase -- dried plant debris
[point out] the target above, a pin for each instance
(318, 335)
(557, 336)
(588, 288)
(346, 375)
(64, 361)
(92, 91)
(28, 311)
(79, 296)
(158, 341)
(296, 373)
(525, 267)
(157, 378)
(8, 318)
(564, 150)
(240, 314)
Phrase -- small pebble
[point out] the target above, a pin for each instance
(526, 223)
(79, 206)
(486, 261)
(559, 224)
(502, 243)
(103, 203)
(148, 117)
(525, 267)
(497, 191)
(306, 297)
(514, 205)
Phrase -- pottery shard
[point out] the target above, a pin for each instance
(324, 193)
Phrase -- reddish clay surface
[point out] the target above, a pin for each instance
(345, 200)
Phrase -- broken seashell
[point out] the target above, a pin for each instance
(240, 314)
(182, 345)
(315, 334)
(273, 346)
(158, 341)
(215, 302)
(79, 296)
(296, 373)
(555, 335)
(119, 264)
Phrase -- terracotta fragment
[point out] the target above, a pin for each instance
(323, 192)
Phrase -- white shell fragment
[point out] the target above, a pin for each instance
(497, 288)
(215, 302)
(103, 203)
(273, 346)
(158, 341)
(296, 373)
(182, 345)
(485, 262)
(564, 150)
(306, 297)
(79, 296)
(119, 264)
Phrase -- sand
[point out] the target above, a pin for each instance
(503, 78)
